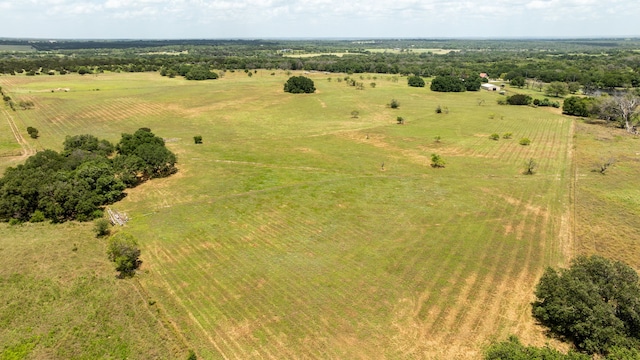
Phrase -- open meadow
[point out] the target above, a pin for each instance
(297, 230)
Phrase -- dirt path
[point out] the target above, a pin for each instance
(27, 149)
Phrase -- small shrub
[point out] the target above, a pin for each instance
(494, 136)
(400, 120)
(437, 138)
(507, 135)
(373, 85)
(37, 217)
(197, 139)
(122, 249)
(524, 141)
(529, 167)
(14, 222)
(192, 355)
(355, 113)
(604, 166)
(438, 109)
(394, 104)
(101, 227)
(437, 161)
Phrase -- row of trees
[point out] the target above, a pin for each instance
(77, 182)
(622, 109)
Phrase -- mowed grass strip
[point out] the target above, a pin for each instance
(283, 235)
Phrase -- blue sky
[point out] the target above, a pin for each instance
(212, 19)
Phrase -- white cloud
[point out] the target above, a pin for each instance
(255, 18)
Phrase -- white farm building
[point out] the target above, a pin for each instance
(490, 87)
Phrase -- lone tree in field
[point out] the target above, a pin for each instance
(415, 81)
(122, 249)
(299, 85)
(595, 304)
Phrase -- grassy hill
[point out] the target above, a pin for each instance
(298, 230)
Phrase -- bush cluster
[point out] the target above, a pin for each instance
(415, 81)
(76, 183)
(519, 99)
(33, 132)
(580, 106)
(546, 102)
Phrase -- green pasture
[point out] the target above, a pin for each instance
(302, 54)
(61, 300)
(296, 230)
(413, 50)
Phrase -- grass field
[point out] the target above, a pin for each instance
(285, 236)
(16, 48)
(296, 54)
(607, 206)
(413, 50)
(60, 300)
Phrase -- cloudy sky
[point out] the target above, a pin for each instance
(212, 19)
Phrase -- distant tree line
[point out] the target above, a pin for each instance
(590, 70)
(77, 182)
